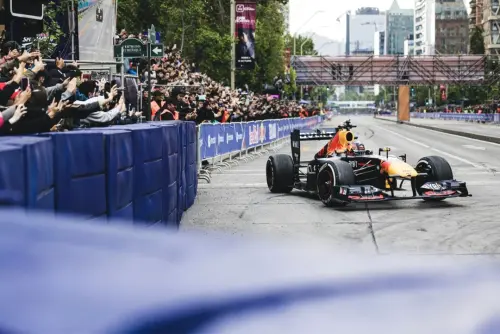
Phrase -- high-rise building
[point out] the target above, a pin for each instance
(491, 24)
(409, 46)
(362, 25)
(398, 24)
(441, 27)
(379, 43)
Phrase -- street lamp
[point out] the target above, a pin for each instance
(302, 26)
(304, 42)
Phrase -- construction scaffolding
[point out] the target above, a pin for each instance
(396, 70)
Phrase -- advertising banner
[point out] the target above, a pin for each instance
(245, 21)
(219, 139)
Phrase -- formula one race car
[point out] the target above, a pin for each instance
(99, 14)
(344, 171)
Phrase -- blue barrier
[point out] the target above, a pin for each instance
(144, 173)
(483, 118)
(220, 139)
(37, 169)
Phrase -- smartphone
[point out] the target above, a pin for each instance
(25, 83)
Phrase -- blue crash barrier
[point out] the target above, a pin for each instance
(483, 118)
(220, 139)
(144, 173)
(36, 170)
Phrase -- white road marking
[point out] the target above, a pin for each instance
(456, 136)
(434, 149)
(472, 147)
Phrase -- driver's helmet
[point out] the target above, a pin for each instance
(358, 146)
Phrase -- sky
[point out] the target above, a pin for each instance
(325, 24)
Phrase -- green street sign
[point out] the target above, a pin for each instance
(132, 48)
(157, 50)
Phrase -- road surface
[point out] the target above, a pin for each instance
(487, 129)
(238, 201)
(96, 38)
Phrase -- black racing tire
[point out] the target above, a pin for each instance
(331, 174)
(280, 173)
(437, 169)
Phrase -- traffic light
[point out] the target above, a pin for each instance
(29, 9)
(412, 90)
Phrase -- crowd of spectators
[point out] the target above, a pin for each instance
(181, 92)
(38, 97)
(34, 98)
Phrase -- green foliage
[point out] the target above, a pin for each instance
(51, 29)
(476, 41)
(291, 88)
(201, 30)
(320, 94)
(304, 41)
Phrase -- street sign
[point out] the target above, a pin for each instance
(132, 48)
(157, 50)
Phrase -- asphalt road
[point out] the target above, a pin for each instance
(96, 38)
(238, 201)
(492, 130)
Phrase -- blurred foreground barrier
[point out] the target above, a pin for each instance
(226, 145)
(143, 173)
(65, 276)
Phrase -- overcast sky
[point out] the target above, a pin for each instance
(325, 24)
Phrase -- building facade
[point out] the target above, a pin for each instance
(491, 24)
(398, 25)
(379, 43)
(441, 27)
(362, 26)
(409, 46)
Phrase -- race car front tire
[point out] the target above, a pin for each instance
(280, 173)
(331, 174)
(436, 168)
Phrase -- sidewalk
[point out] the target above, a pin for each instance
(487, 132)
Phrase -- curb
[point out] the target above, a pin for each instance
(490, 139)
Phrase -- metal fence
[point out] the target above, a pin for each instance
(225, 145)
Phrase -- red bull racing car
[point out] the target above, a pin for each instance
(344, 171)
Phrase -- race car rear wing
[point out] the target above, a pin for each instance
(296, 137)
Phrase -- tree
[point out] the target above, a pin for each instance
(201, 29)
(53, 33)
(306, 42)
(476, 41)
(290, 85)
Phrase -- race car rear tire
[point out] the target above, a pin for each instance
(331, 174)
(279, 173)
(437, 169)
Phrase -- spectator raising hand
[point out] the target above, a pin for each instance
(39, 66)
(19, 73)
(71, 86)
(56, 107)
(23, 97)
(27, 56)
(21, 110)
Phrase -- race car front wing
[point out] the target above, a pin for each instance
(429, 190)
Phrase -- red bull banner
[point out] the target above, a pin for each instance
(245, 19)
